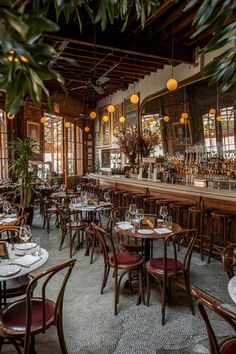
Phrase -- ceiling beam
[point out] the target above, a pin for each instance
(125, 43)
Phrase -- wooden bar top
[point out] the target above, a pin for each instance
(176, 189)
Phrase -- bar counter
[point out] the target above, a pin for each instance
(213, 198)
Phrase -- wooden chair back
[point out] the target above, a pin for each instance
(206, 301)
(45, 278)
(187, 239)
(10, 234)
(22, 220)
(107, 244)
(228, 256)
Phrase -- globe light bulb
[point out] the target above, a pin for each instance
(122, 119)
(134, 98)
(43, 120)
(172, 84)
(219, 118)
(10, 116)
(93, 115)
(184, 115)
(86, 129)
(182, 120)
(105, 118)
(151, 119)
(212, 111)
(67, 124)
(166, 118)
(111, 108)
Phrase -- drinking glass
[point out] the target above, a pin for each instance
(36, 250)
(140, 215)
(6, 206)
(25, 234)
(163, 211)
(78, 188)
(107, 197)
(132, 210)
(63, 188)
(169, 222)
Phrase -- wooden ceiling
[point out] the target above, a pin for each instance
(116, 59)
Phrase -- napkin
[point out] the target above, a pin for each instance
(6, 220)
(125, 226)
(162, 230)
(27, 260)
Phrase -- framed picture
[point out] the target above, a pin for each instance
(182, 133)
(33, 131)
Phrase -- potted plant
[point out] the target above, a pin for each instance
(24, 150)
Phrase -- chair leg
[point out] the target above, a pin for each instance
(140, 271)
(63, 234)
(163, 303)
(105, 277)
(32, 345)
(93, 247)
(211, 242)
(60, 333)
(116, 292)
(148, 288)
(48, 222)
(188, 291)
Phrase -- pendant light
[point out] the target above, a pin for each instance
(184, 115)
(93, 114)
(43, 120)
(105, 116)
(67, 124)
(122, 118)
(134, 98)
(86, 129)
(172, 83)
(218, 116)
(111, 108)
(10, 116)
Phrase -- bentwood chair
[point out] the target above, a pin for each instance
(69, 226)
(171, 268)
(123, 261)
(126, 243)
(228, 346)
(103, 221)
(228, 256)
(23, 319)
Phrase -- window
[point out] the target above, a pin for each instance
(3, 146)
(209, 129)
(53, 146)
(79, 151)
(227, 127)
(70, 150)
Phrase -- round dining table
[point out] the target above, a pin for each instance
(18, 264)
(157, 234)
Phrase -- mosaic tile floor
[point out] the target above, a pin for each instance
(91, 328)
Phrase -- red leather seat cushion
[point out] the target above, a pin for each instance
(14, 315)
(127, 258)
(229, 346)
(156, 265)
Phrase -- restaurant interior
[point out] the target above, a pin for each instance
(118, 176)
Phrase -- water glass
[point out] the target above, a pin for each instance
(132, 209)
(36, 248)
(163, 211)
(127, 216)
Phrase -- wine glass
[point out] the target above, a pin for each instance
(163, 212)
(63, 187)
(78, 188)
(139, 215)
(6, 206)
(132, 209)
(107, 197)
(25, 234)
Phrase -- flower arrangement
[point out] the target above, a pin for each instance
(134, 142)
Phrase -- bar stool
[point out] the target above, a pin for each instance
(149, 204)
(225, 219)
(128, 198)
(196, 218)
(178, 209)
(138, 199)
(117, 197)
